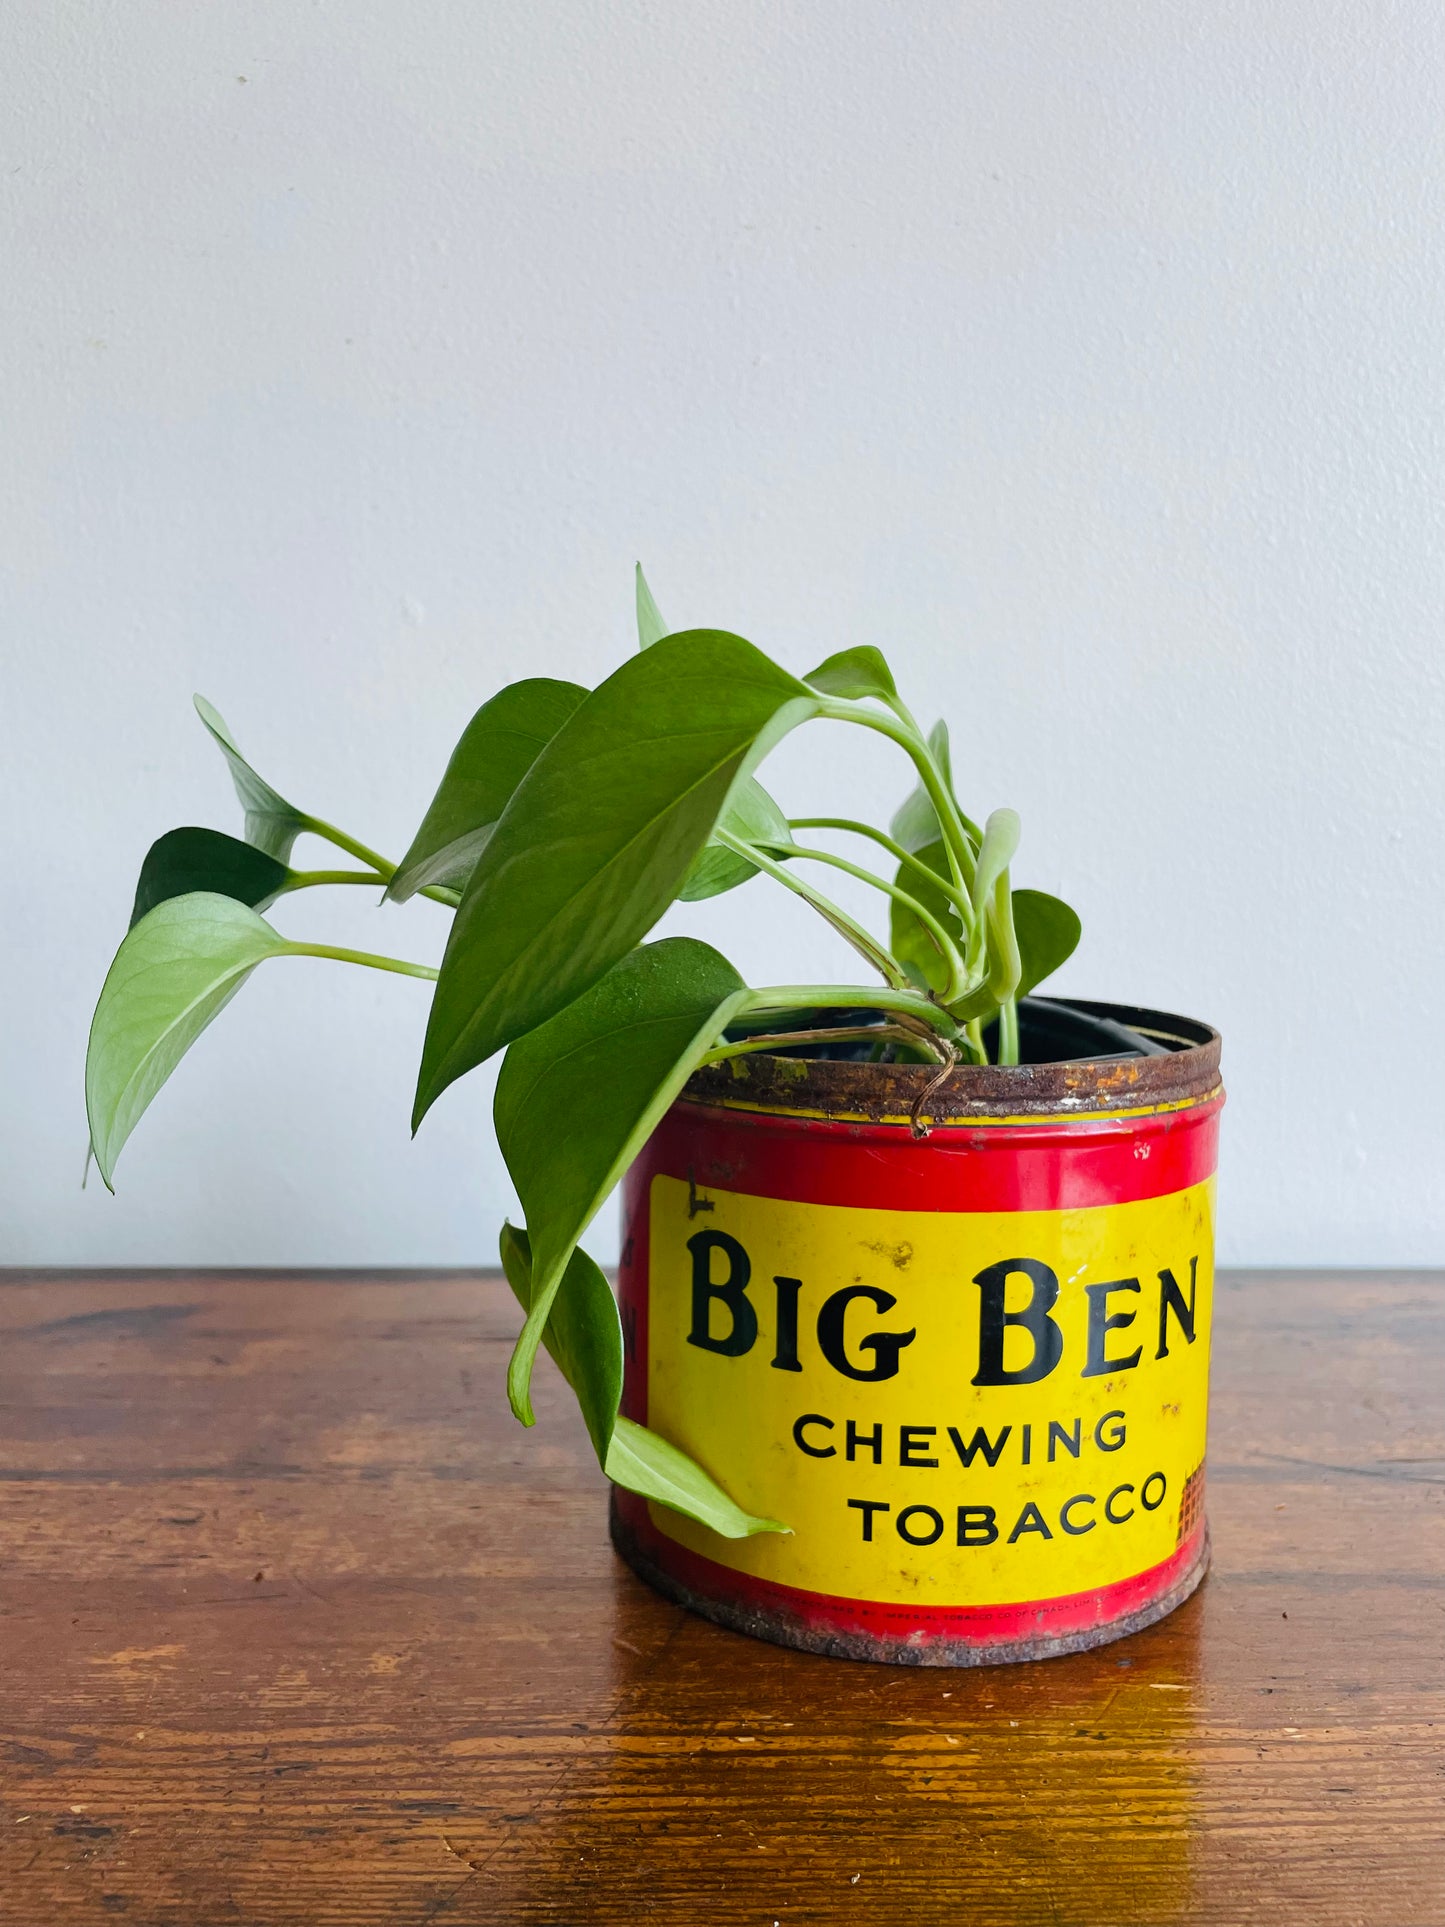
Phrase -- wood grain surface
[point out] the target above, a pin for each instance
(300, 1627)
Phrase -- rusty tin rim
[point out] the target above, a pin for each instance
(1186, 1073)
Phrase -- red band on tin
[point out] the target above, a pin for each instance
(1069, 1166)
(987, 1626)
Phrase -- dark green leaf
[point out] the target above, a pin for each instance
(497, 748)
(176, 970)
(584, 1336)
(182, 861)
(650, 626)
(583, 1332)
(1048, 932)
(853, 674)
(750, 811)
(751, 814)
(643, 1462)
(272, 823)
(577, 1099)
(915, 823)
(599, 837)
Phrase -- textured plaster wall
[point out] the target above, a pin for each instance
(1086, 357)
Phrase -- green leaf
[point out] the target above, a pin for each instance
(643, 1462)
(853, 674)
(915, 823)
(272, 823)
(183, 861)
(650, 626)
(599, 837)
(749, 813)
(1046, 928)
(176, 970)
(497, 748)
(1048, 932)
(908, 939)
(577, 1099)
(583, 1332)
(584, 1335)
(995, 853)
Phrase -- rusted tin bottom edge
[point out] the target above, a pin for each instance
(782, 1628)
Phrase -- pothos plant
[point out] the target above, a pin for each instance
(566, 823)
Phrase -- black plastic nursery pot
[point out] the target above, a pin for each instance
(963, 1355)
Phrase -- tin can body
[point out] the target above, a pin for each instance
(968, 1370)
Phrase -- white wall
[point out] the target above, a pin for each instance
(1085, 357)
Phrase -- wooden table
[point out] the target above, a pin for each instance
(299, 1627)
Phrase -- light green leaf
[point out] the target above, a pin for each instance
(497, 748)
(749, 813)
(643, 1462)
(599, 837)
(1048, 932)
(994, 949)
(915, 823)
(577, 1099)
(853, 674)
(176, 970)
(272, 823)
(583, 1332)
(995, 853)
(650, 626)
(584, 1336)
(908, 939)
(183, 861)
(1046, 928)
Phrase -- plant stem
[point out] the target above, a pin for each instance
(367, 957)
(384, 871)
(904, 1003)
(867, 946)
(1008, 1032)
(957, 897)
(866, 1033)
(947, 948)
(310, 879)
(956, 839)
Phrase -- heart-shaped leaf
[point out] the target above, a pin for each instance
(176, 970)
(853, 674)
(750, 813)
(584, 1336)
(583, 1332)
(577, 1099)
(186, 860)
(650, 626)
(497, 748)
(272, 823)
(1048, 933)
(599, 837)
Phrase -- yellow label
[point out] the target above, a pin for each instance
(947, 1408)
